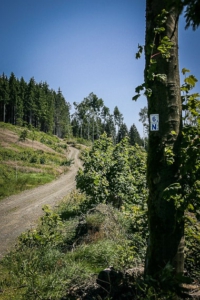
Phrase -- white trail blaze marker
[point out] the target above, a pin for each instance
(154, 122)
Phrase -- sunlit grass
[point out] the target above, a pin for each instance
(13, 182)
(23, 166)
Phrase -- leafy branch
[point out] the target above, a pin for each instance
(163, 49)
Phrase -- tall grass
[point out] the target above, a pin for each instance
(13, 181)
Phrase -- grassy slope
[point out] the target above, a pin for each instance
(29, 162)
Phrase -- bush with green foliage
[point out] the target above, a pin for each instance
(49, 233)
(188, 190)
(189, 187)
(192, 249)
(113, 173)
(23, 135)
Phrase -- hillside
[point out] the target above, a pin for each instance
(21, 211)
(29, 158)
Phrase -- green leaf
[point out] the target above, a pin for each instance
(190, 207)
(134, 98)
(172, 191)
(139, 88)
(161, 77)
(96, 181)
(184, 89)
(159, 29)
(139, 53)
(148, 92)
(173, 132)
(153, 61)
(191, 80)
(184, 70)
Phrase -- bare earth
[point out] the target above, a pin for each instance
(21, 212)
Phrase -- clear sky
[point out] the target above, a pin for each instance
(84, 46)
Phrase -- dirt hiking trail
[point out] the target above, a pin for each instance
(22, 211)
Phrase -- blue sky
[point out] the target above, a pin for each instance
(84, 46)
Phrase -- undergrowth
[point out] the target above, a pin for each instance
(63, 257)
(67, 250)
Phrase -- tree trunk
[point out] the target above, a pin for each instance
(166, 224)
(4, 112)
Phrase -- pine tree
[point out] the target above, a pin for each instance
(4, 97)
(134, 136)
(122, 132)
(22, 98)
(29, 105)
(13, 99)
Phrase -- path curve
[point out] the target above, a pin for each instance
(21, 212)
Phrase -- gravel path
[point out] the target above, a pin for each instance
(21, 212)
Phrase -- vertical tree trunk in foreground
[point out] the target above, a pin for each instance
(166, 224)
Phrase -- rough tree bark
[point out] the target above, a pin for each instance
(166, 224)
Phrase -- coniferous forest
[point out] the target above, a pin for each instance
(35, 105)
